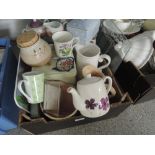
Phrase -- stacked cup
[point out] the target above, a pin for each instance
(64, 43)
(90, 55)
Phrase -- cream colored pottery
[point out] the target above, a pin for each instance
(34, 52)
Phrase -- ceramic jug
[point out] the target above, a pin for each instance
(53, 26)
(34, 51)
(91, 96)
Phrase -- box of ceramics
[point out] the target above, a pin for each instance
(67, 83)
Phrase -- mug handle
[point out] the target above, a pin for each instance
(109, 85)
(101, 58)
(64, 24)
(25, 29)
(75, 41)
(21, 89)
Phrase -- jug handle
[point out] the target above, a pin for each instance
(109, 85)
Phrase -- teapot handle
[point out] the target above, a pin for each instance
(109, 85)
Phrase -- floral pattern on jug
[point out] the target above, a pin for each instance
(90, 103)
(104, 103)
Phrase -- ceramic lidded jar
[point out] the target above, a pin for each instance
(34, 51)
(85, 29)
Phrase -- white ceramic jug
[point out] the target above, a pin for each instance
(91, 97)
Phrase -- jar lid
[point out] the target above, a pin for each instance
(27, 39)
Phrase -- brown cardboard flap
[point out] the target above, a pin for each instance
(40, 126)
(132, 80)
(150, 79)
(149, 95)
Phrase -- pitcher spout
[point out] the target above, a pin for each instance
(77, 100)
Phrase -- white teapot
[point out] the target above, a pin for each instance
(91, 97)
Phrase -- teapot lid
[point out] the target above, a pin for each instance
(89, 80)
(27, 39)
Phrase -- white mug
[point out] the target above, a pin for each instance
(64, 42)
(34, 86)
(54, 26)
(90, 55)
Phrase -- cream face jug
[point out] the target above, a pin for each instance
(34, 51)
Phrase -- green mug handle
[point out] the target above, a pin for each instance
(21, 89)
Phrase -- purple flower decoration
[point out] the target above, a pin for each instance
(90, 104)
(104, 103)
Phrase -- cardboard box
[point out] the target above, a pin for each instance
(118, 103)
(131, 85)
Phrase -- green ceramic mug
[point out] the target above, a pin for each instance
(34, 86)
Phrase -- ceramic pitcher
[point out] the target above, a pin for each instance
(91, 97)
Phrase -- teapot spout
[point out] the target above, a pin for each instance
(77, 100)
